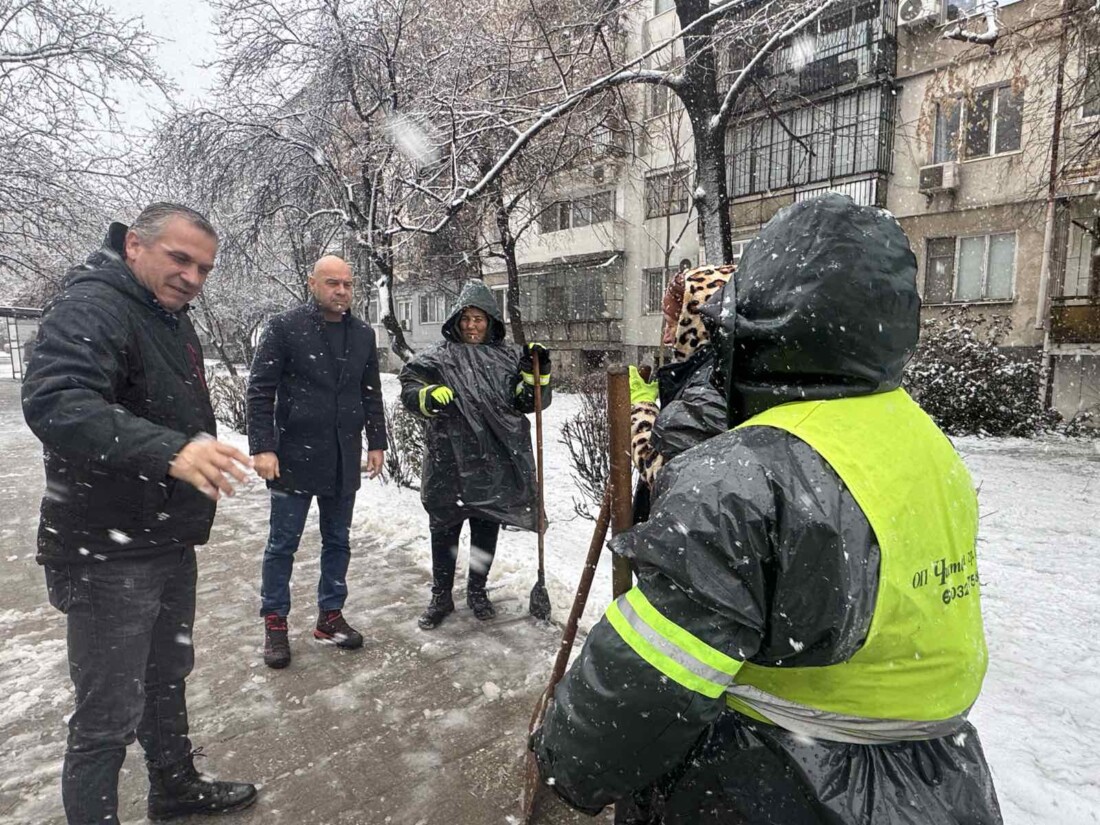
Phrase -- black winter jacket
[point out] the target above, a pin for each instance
(306, 410)
(114, 390)
(757, 548)
(477, 453)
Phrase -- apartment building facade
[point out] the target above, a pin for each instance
(954, 138)
(999, 224)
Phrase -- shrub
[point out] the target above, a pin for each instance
(404, 458)
(229, 398)
(586, 436)
(970, 384)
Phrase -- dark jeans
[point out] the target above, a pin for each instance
(129, 638)
(483, 547)
(288, 520)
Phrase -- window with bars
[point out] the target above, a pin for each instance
(666, 193)
(967, 269)
(994, 122)
(433, 309)
(846, 135)
(654, 282)
(597, 207)
(372, 308)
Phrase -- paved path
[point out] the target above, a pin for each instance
(417, 728)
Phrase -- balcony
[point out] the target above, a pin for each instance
(855, 42)
(1075, 320)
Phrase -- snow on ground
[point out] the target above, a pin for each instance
(1039, 555)
(516, 565)
(1038, 716)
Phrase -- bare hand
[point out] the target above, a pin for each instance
(266, 465)
(206, 464)
(375, 462)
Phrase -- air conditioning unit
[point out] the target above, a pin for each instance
(914, 13)
(943, 177)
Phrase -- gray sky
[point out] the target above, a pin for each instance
(186, 31)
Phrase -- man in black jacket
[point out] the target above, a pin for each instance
(116, 392)
(314, 391)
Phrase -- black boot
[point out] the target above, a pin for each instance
(476, 597)
(180, 790)
(276, 643)
(438, 608)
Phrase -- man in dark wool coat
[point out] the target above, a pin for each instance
(313, 393)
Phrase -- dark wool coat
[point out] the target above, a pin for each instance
(114, 390)
(308, 411)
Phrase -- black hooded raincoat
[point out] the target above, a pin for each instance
(753, 543)
(477, 453)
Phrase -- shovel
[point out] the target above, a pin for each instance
(540, 599)
(599, 536)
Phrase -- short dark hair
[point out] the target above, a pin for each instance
(150, 223)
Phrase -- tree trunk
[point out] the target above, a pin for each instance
(508, 248)
(699, 93)
(713, 205)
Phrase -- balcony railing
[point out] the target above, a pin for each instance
(1075, 320)
(855, 41)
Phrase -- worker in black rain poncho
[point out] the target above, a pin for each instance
(805, 640)
(474, 390)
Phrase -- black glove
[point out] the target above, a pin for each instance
(527, 360)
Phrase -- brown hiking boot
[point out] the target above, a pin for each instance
(333, 628)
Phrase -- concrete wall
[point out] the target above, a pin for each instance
(996, 194)
(1027, 221)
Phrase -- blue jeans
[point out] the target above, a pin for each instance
(288, 520)
(129, 640)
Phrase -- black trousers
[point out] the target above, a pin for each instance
(483, 547)
(130, 651)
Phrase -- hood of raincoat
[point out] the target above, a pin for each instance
(475, 294)
(824, 305)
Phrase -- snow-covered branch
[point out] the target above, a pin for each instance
(762, 54)
(988, 37)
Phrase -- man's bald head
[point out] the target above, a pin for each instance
(331, 286)
(329, 264)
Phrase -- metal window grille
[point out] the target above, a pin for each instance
(842, 136)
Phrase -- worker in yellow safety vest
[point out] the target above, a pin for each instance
(805, 640)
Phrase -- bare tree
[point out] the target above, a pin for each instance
(61, 166)
(389, 119)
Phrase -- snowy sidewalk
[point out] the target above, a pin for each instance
(409, 731)
(416, 728)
